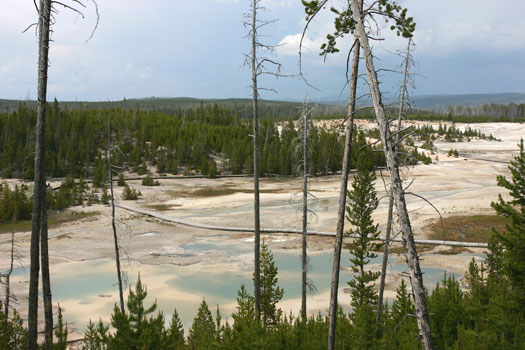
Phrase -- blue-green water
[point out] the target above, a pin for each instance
(92, 282)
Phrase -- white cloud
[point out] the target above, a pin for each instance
(451, 26)
(278, 3)
(289, 45)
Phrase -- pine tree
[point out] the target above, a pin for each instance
(123, 337)
(175, 334)
(402, 330)
(362, 201)
(202, 332)
(271, 293)
(245, 324)
(121, 181)
(135, 304)
(446, 304)
(60, 332)
(212, 170)
(513, 240)
(96, 336)
(13, 335)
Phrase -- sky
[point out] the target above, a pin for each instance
(197, 49)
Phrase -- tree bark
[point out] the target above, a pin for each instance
(416, 277)
(304, 257)
(390, 196)
(46, 282)
(113, 226)
(256, 205)
(39, 180)
(332, 311)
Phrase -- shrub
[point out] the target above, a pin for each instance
(15, 204)
(121, 182)
(148, 181)
(130, 193)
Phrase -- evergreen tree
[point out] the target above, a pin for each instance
(202, 332)
(13, 334)
(99, 173)
(60, 332)
(121, 181)
(271, 293)
(402, 329)
(212, 170)
(96, 336)
(175, 333)
(245, 325)
(446, 305)
(513, 240)
(362, 201)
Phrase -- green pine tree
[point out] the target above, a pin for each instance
(271, 293)
(362, 201)
(402, 328)
(175, 333)
(202, 332)
(13, 334)
(96, 336)
(60, 332)
(513, 240)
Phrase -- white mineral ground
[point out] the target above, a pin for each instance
(456, 186)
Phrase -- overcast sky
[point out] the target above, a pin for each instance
(171, 48)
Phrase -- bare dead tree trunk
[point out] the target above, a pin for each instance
(304, 257)
(390, 196)
(44, 16)
(332, 312)
(416, 277)
(46, 282)
(256, 205)
(113, 226)
(334, 286)
(8, 278)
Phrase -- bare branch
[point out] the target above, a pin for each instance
(68, 7)
(96, 24)
(31, 25)
(310, 19)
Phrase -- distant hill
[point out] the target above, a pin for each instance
(440, 101)
(329, 106)
(240, 106)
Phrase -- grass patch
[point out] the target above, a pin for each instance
(474, 228)
(398, 248)
(205, 192)
(455, 251)
(162, 206)
(54, 219)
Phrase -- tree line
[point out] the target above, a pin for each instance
(188, 143)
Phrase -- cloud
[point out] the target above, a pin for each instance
(227, 2)
(289, 45)
(450, 26)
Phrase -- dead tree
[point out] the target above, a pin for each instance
(312, 9)
(113, 226)
(7, 277)
(303, 152)
(336, 266)
(39, 191)
(45, 11)
(407, 62)
(258, 66)
(46, 281)
(416, 277)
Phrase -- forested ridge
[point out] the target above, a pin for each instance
(188, 141)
